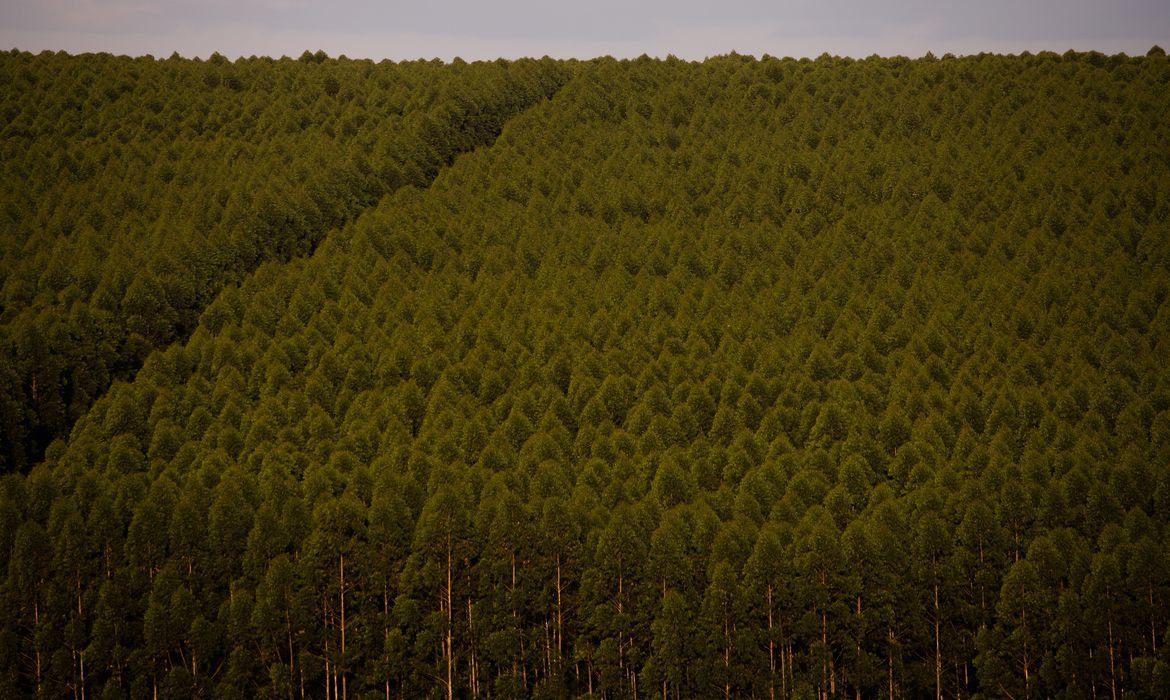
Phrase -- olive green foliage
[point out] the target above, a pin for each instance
(136, 189)
(739, 378)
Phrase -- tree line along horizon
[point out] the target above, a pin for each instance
(645, 378)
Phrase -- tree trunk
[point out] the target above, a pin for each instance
(342, 659)
(783, 663)
(36, 627)
(548, 643)
(621, 637)
(516, 617)
(857, 686)
(291, 655)
(450, 628)
(81, 654)
(1112, 672)
(386, 628)
(560, 615)
(1027, 677)
(771, 650)
(328, 668)
(726, 659)
(825, 651)
(1153, 625)
(937, 650)
(890, 658)
(472, 664)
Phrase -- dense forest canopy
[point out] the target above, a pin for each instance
(742, 378)
(139, 188)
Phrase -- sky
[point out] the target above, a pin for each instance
(485, 29)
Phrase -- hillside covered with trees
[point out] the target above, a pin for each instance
(751, 377)
(137, 189)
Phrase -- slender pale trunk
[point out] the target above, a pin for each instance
(548, 644)
(937, 650)
(726, 659)
(81, 653)
(827, 682)
(1092, 675)
(328, 669)
(472, 663)
(1153, 625)
(825, 659)
(36, 627)
(832, 676)
(1027, 676)
(288, 622)
(785, 655)
(450, 628)
(890, 658)
(857, 687)
(291, 655)
(344, 694)
(621, 640)
(560, 615)
(516, 616)
(771, 650)
(386, 627)
(1112, 672)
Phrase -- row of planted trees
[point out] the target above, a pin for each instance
(141, 187)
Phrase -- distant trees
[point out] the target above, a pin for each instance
(234, 164)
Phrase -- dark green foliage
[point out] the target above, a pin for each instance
(763, 378)
(137, 189)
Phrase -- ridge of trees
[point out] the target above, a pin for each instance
(741, 378)
(139, 188)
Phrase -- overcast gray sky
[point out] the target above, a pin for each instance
(583, 29)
